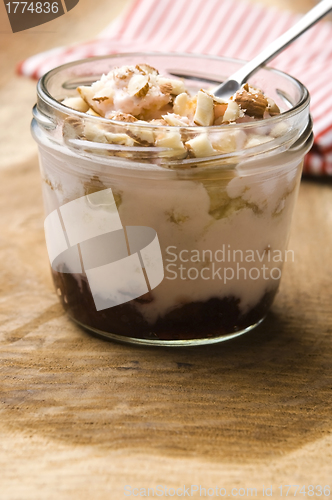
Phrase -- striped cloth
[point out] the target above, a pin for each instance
(219, 27)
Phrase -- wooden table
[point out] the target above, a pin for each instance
(81, 417)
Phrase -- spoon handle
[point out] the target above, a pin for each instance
(273, 49)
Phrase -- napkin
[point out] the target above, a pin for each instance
(218, 27)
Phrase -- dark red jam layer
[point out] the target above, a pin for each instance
(196, 320)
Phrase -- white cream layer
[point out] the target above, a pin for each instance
(179, 212)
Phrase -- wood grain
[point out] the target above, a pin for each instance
(81, 417)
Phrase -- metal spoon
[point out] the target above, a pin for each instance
(234, 82)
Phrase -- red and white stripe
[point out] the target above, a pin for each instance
(221, 27)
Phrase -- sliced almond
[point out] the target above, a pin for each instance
(138, 86)
(76, 103)
(200, 146)
(204, 115)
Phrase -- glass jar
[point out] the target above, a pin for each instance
(150, 246)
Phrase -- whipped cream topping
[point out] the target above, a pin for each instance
(138, 91)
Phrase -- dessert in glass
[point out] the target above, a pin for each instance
(168, 210)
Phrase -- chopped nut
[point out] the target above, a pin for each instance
(87, 94)
(256, 140)
(149, 69)
(166, 88)
(228, 142)
(279, 130)
(73, 128)
(143, 91)
(122, 117)
(141, 70)
(122, 139)
(138, 86)
(139, 96)
(170, 140)
(176, 120)
(92, 112)
(76, 103)
(217, 100)
(158, 121)
(95, 133)
(272, 108)
(122, 73)
(143, 135)
(180, 103)
(177, 85)
(204, 114)
(252, 100)
(200, 146)
(232, 112)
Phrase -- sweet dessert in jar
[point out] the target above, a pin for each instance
(170, 208)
